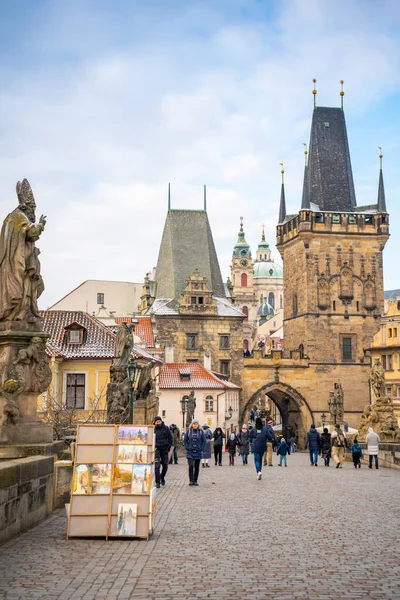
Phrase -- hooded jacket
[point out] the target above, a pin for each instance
(163, 437)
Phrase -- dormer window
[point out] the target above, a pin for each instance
(75, 336)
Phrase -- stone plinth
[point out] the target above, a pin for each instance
(13, 451)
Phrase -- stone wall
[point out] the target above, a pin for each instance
(389, 455)
(26, 493)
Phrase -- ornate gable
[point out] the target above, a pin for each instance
(196, 297)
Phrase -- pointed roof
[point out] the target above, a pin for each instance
(187, 244)
(305, 201)
(282, 205)
(241, 248)
(263, 245)
(329, 176)
(381, 194)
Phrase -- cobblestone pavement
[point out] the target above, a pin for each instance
(299, 533)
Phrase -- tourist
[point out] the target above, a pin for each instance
(326, 447)
(231, 445)
(283, 450)
(207, 446)
(259, 436)
(194, 441)
(373, 441)
(338, 440)
(218, 437)
(163, 445)
(244, 444)
(356, 453)
(270, 444)
(176, 440)
(313, 443)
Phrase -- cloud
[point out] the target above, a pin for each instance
(105, 105)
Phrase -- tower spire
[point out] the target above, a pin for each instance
(305, 200)
(315, 93)
(263, 233)
(241, 248)
(169, 196)
(381, 187)
(282, 205)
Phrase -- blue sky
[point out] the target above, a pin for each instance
(103, 103)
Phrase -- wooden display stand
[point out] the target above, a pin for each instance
(113, 493)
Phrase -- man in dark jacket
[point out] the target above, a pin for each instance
(259, 436)
(313, 443)
(163, 446)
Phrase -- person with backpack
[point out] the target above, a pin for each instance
(356, 453)
(194, 441)
(338, 440)
(218, 437)
(326, 447)
(176, 440)
(282, 451)
(313, 443)
(207, 446)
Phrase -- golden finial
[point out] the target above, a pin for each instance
(380, 156)
(263, 233)
(282, 171)
(241, 223)
(315, 93)
(305, 153)
(341, 92)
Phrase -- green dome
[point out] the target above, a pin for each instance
(265, 309)
(267, 269)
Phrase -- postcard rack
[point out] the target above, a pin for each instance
(113, 493)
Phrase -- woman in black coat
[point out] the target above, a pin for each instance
(326, 448)
(218, 437)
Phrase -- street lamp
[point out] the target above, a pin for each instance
(230, 413)
(323, 417)
(184, 403)
(133, 369)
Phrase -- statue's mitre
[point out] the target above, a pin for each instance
(25, 194)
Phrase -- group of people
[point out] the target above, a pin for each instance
(333, 445)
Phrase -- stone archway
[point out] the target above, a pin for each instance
(295, 411)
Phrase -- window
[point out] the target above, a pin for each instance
(281, 302)
(271, 299)
(243, 280)
(100, 298)
(163, 414)
(75, 392)
(346, 348)
(358, 306)
(390, 332)
(224, 342)
(398, 391)
(387, 362)
(191, 341)
(352, 219)
(201, 300)
(394, 331)
(245, 311)
(192, 360)
(319, 218)
(334, 305)
(193, 300)
(388, 390)
(368, 220)
(75, 336)
(335, 218)
(209, 407)
(224, 367)
(294, 305)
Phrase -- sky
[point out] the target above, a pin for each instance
(102, 104)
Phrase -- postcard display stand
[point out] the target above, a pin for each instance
(113, 493)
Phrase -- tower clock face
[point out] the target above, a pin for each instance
(243, 262)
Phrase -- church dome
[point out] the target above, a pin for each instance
(265, 309)
(267, 269)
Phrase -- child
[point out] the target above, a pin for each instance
(231, 445)
(356, 452)
(283, 450)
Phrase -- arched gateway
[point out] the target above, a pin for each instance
(295, 411)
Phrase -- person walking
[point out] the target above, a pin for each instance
(218, 437)
(326, 448)
(356, 453)
(231, 445)
(338, 440)
(244, 444)
(313, 443)
(207, 446)
(176, 440)
(163, 445)
(194, 442)
(270, 444)
(259, 436)
(282, 452)
(373, 441)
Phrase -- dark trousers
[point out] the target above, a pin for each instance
(218, 454)
(356, 460)
(231, 459)
(174, 456)
(194, 467)
(371, 456)
(161, 459)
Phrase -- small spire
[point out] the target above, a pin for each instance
(283, 173)
(341, 93)
(381, 187)
(263, 233)
(205, 198)
(305, 200)
(169, 196)
(315, 93)
(282, 205)
(305, 153)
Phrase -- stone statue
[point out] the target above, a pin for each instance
(20, 281)
(191, 407)
(118, 396)
(11, 390)
(378, 379)
(123, 345)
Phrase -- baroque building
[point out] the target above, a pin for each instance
(333, 288)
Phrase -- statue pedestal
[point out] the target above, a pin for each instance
(27, 431)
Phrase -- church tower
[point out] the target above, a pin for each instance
(242, 275)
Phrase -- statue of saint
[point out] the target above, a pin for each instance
(123, 344)
(20, 281)
(191, 407)
(378, 379)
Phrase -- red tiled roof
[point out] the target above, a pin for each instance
(143, 328)
(171, 377)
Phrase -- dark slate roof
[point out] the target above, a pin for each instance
(381, 194)
(187, 244)
(282, 205)
(330, 178)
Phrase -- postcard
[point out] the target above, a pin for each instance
(132, 435)
(130, 453)
(92, 479)
(126, 523)
(141, 479)
(122, 479)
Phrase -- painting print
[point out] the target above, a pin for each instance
(101, 479)
(126, 522)
(130, 453)
(122, 479)
(132, 435)
(141, 479)
(82, 479)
